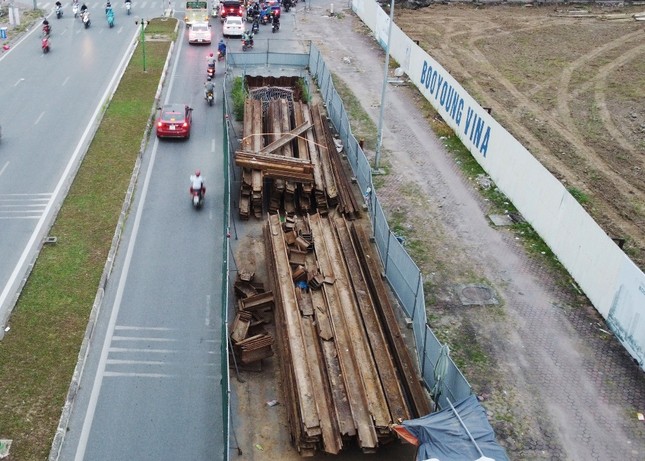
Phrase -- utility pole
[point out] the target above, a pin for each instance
(379, 141)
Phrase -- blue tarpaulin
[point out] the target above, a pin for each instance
(442, 436)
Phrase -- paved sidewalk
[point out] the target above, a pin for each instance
(556, 385)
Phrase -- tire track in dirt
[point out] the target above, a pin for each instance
(601, 100)
(564, 96)
(618, 218)
(613, 182)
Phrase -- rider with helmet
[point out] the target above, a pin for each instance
(197, 183)
(208, 87)
(221, 47)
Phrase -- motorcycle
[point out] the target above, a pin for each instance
(128, 5)
(275, 26)
(110, 18)
(59, 12)
(75, 10)
(197, 197)
(247, 43)
(255, 28)
(47, 29)
(287, 5)
(210, 98)
(221, 55)
(85, 17)
(210, 72)
(44, 44)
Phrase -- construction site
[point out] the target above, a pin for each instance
(315, 307)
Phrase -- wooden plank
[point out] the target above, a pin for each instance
(283, 139)
(306, 397)
(411, 382)
(350, 318)
(366, 433)
(323, 149)
(393, 392)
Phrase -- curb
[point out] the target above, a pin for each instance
(61, 430)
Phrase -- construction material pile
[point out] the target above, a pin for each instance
(291, 144)
(251, 342)
(347, 374)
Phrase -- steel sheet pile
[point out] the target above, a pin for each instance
(291, 144)
(347, 374)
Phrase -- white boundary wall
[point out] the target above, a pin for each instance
(613, 283)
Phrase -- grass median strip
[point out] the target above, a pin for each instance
(39, 353)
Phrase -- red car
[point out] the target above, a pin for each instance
(174, 121)
(231, 8)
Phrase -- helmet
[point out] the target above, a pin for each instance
(209, 78)
(198, 173)
(210, 54)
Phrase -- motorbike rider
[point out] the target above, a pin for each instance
(221, 47)
(208, 87)
(276, 22)
(108, 7)
(247, 37)
(59, 5)
(210, 60)
(83, 8)
(46, 28)
(197, 183)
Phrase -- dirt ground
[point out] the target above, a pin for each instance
(571, 89)
(555, 384)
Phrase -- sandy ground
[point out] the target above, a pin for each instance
(555, 384)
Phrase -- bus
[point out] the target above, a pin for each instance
(196, 11)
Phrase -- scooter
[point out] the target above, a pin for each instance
(210, 98)
(59, 12)
(75, 10)
(85, 17)
(110, 18)
(275, 26)
(247, 43)
(128, 5)
(47, 29)
(197, 197)
(221, 55)
(44, 44)
(210, 72)
(255, 28)
(287, 5)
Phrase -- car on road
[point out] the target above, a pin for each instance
(200, 32)
(230, 8)
(174, 121)
(233, 25)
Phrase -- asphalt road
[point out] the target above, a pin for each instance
(48, 107)
(151, 388)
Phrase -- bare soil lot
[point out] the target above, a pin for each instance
(567, 82)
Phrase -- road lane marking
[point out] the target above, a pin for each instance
(65, 81)
(116, 307)
(4, 167)
(39, 117)
(207, 321)
(20, 80)
(212, 145)
(129, 327)
(136, 338)
(134, 349)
